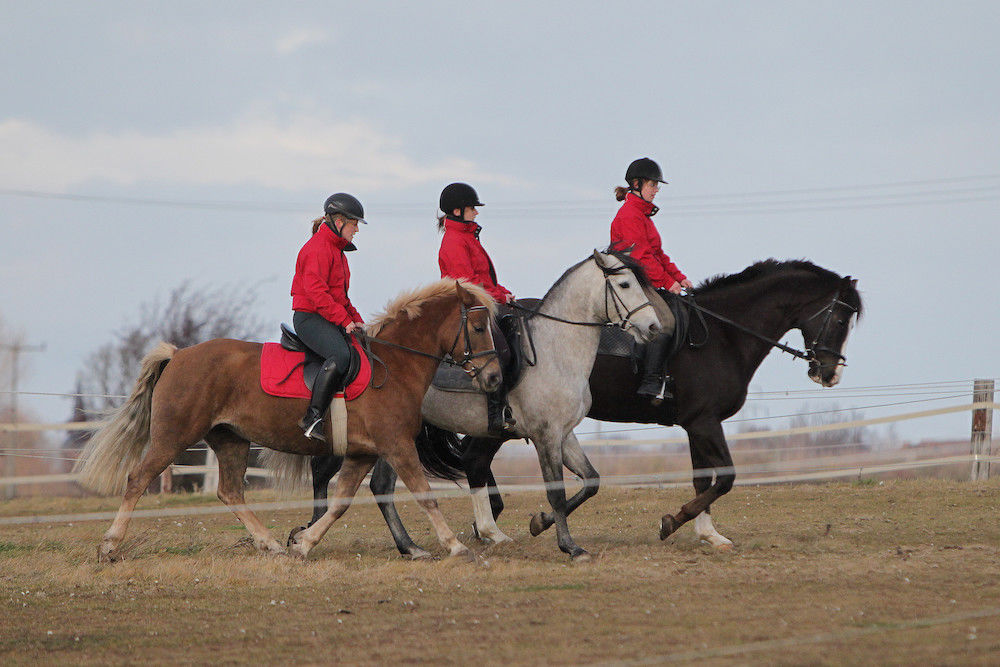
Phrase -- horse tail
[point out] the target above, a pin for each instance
(440, 452)
(290, 471)
(115, 449)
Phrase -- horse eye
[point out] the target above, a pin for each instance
(625, 285)
(478, 329)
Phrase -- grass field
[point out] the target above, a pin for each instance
(866, 572)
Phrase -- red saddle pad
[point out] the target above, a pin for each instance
(281, 372)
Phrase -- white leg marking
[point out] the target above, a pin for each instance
(485, 524)
(705, 530)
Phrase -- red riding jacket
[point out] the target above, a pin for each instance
(322, 278)
(463, 256)
(634, 228)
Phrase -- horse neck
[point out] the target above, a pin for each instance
(577, 297)
(427, 333)
(768, 306)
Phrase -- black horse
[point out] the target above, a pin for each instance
(752, 310)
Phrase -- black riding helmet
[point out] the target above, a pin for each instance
(643, 168)
(345, 205)
(458, 195)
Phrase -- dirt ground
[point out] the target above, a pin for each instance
(898, 572)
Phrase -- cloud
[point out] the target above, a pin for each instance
(305, 152)
(297, 39)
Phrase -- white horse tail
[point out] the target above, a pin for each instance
(118, 446)
(291, 471)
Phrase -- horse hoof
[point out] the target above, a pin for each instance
(668, 524)
(723, 547)
(291, 535)
(582, 556)
(106, 555)
(416, 553)
(537, 524)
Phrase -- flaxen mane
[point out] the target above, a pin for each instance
(408, 304)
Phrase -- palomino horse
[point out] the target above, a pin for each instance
(552, 395)
(212, 391)
(712, 374)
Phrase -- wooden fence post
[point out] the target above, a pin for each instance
(982, 429)
(167, 480)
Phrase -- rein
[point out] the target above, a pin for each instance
(811, 349)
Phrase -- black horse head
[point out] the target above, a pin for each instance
(826, 330)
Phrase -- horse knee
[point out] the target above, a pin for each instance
(723, 483)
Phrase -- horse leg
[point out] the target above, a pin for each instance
(486, 501)
(323, 470)
(580, 465)
(406, 464)
(703, 526)
(352, 473)
(233, 452)
(707, 437)
(550, 459)
(383, 484)
(153, 463)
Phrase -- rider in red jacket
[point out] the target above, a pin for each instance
(463, 256)
(633, 229)
(324, 317)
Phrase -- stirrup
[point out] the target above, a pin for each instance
(311, 431)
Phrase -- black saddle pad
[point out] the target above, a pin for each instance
(617, 342)
(314, 362)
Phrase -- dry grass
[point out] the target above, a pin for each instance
(899, 572)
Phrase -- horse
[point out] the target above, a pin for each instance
(750, 310)
(211, 391)
(551, 396)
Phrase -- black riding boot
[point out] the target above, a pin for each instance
(326, 385)
(654, 380)
(500, 416)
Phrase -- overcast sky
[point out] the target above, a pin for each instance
(204, 137)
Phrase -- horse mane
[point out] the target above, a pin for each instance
(409, 303)
(621, 255)
(769, 267)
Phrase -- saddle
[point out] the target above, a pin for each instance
(314, 362)
(617, 342)
(511, 330)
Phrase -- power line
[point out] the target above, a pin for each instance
(700, 204)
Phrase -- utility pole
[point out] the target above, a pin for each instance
(8, 460)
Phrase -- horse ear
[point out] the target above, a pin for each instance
(599, 258)
(465, 295)
(854, 282)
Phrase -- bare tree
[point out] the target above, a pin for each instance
(187, 316)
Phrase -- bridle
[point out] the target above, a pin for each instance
(468, 355)
(610, 295)
(811, 348)
(449, 358)
(827, 313)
